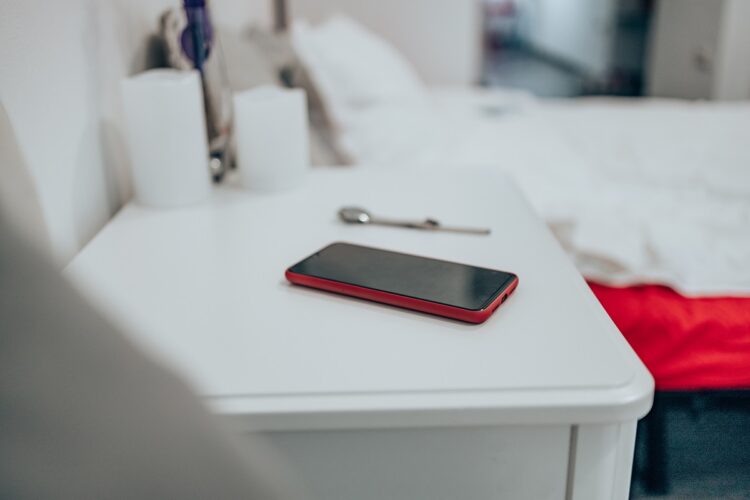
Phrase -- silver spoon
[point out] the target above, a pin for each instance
(357, 215)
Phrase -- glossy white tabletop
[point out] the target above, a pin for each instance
(203, 288)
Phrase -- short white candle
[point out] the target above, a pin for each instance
(273, 151)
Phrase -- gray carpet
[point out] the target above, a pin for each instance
(709, 453)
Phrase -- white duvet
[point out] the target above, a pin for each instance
(637, 191)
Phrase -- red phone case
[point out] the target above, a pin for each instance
(467, 315)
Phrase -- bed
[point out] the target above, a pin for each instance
(697, 349)
(688, 344)
(664, 250)
(651, 198)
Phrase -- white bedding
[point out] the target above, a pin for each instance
(638, 191)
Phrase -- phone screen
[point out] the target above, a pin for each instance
(438, 281)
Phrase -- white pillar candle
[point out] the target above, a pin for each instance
(273, 151)
(166, 130)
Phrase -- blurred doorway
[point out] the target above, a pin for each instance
(565, 48)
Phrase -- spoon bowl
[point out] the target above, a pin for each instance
(355, 215)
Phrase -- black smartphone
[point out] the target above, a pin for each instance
(458, 291)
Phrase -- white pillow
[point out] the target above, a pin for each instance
(352, 66)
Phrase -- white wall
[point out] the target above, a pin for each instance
(684, 33)
(47, 84)
(441, 38)
(699, 50)
(62, 62)
(733, 61)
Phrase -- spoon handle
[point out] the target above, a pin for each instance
(381, 221)
(465, 230)
(428, 225)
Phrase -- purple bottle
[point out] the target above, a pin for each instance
(201, 46)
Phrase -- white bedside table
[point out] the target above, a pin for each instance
(368, 401)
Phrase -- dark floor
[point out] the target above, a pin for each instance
(546, 76)
(516, 68)
(709, 453)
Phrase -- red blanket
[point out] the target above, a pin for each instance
(687, 344)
